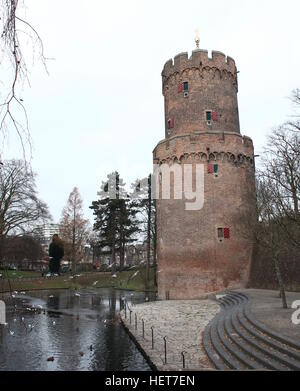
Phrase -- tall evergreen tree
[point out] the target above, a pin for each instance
(115, 220)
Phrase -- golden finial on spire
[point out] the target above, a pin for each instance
(197, 38)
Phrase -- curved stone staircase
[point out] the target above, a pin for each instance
(235, 340)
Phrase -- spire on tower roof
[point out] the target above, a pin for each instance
(197, 38)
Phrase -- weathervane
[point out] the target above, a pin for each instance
(197, 39)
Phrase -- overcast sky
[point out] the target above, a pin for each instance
(101, 109)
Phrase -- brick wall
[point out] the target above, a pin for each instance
(191, 259)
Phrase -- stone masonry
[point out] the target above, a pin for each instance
(208, 249)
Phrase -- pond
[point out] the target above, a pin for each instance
(76, 330)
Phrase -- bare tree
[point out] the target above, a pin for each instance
(74, 228)
(281, 169)
(294, 124)
(14, 28)
(20, 208)
(147, 217)
(268, 231)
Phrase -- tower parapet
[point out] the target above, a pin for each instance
(200, 93)
(198, 59)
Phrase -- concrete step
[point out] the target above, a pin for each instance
(234, 339)
(285, 355)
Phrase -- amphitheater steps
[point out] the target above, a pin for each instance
(235, 340)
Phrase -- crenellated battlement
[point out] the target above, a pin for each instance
(199, 59)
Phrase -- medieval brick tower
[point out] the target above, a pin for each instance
(208, 249)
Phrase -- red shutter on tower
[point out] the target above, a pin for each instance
(171, 122)
(214, 116)
(210, 168)
(226, 233)
(180, 87)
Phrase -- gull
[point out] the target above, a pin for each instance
(51, 296)
(114, 276)
(134, 275)
(77, 294)
(95, 283)
(13, 296)
(11, 332)
(15, 292)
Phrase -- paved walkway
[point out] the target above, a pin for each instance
(266, 306)
(182, 323)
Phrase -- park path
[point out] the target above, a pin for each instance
(225, 333)
(181, 322)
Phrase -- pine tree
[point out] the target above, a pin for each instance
(114, 218)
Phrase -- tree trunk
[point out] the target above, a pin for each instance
(280, 282)
(73, 252)
(122, 251)
(155, 248)
(113, 258)
(121, 256)
(148, 233)
(113, 244)
(73, 242)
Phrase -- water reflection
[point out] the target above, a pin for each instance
(80, 329)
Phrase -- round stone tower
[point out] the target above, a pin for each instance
(209, 248)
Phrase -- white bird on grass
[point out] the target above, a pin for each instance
(134, 275)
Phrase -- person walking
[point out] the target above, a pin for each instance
(56, 252)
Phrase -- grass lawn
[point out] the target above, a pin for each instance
(18, 274)
(131, 280)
